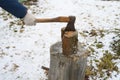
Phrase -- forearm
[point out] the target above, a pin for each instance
(14, 7)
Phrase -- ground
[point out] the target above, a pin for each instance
(24, 49)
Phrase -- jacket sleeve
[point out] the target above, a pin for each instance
(14, 7)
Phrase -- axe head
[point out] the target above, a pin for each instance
(70, 26)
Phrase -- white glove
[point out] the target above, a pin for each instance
(29, 19)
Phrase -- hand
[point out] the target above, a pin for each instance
(29, 19)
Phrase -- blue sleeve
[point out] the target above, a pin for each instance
(14, 7)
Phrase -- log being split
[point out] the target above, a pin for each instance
(69, 42)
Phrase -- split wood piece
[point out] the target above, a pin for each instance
(70, 67)
(46, 70)
(69, 42)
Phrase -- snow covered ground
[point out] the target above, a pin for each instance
(23, 53)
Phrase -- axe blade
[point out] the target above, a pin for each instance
(70, 26)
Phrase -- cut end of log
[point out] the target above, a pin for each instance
(70, 34)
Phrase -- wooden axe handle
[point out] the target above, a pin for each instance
(57, 19)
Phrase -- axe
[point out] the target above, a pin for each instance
(71, 20)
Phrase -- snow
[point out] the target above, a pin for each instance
(29, 50)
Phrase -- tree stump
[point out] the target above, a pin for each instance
(68, 59)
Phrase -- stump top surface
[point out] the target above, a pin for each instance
(57, 49)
